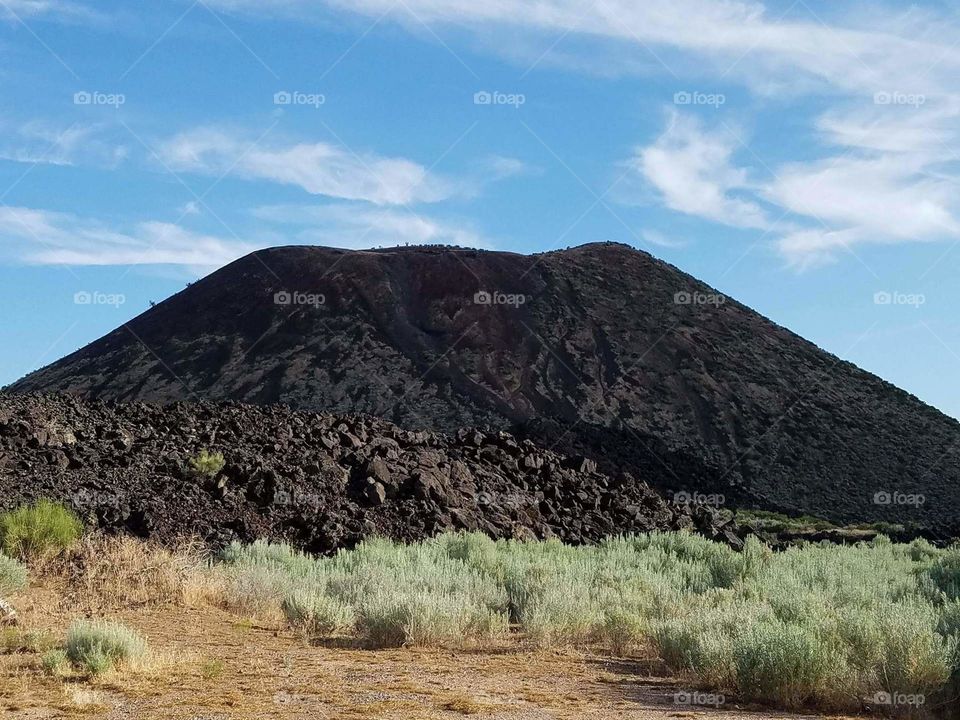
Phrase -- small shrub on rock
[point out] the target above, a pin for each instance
(207, 464)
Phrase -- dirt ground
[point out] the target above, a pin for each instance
(210, 665)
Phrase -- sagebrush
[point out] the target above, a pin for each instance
(822, 625)
(98, 645)
(13, 575)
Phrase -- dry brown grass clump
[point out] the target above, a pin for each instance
(113, 572)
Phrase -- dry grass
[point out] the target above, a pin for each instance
(84, 699)
(465, 705)
(204, 667)
(110, 572)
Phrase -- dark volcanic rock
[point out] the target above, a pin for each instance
(600, 351)
(282, 481)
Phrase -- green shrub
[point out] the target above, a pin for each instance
(945, 573)
(38, 532)
(622, 630)
(815, 625)
(16, 640)
(785, 664)
(207, 464)
(55, 662)
(97, 646)
(413, 619)
(256, 591)
(317, 614)
(13, 575)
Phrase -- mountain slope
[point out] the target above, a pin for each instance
(601, 349)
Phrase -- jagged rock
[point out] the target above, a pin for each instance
(374, 492)
(396, 483)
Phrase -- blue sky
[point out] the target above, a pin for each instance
(801, 157)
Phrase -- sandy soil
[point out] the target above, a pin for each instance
(212, 666)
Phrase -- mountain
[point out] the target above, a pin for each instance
(600, 350)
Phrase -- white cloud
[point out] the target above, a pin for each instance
(888, 196)
(319, 168)
(359, 226)
(498, 167)
(190, 208)
(872, 193)
(887, 170)
(657, 238)
(42, 237)
(861, 55)
(42, 142)
(15, 10)
(693, 173)
(805, 249)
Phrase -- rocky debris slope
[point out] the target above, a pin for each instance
(600, 350)
(320, 481)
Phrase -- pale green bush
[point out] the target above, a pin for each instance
(316, 614)
(786, 664)
(98, 646)
(817, 625)
(256, 590)
(55, 662)
(13, 575)
(416, 619)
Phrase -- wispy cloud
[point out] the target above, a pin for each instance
(657, 238)
(43, 237)
(353, 225)
(16, 10)
(866, 52)
(59, 144)
(872, 193)
(319, 168)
